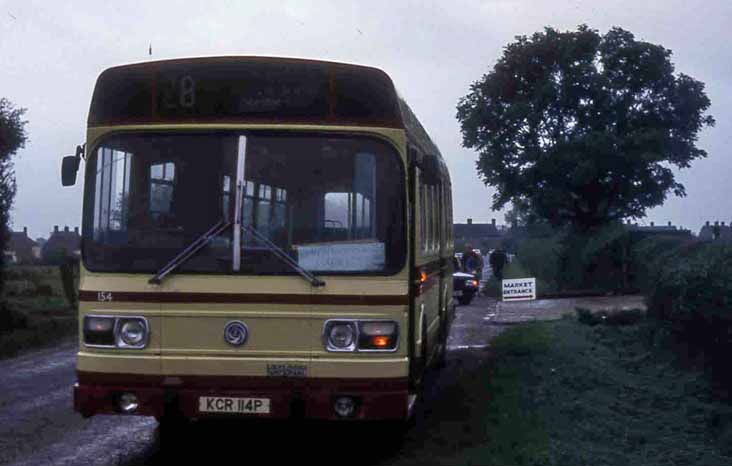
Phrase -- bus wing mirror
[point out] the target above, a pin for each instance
(69, 168)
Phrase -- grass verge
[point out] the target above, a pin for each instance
(611, 395)
(568, 394)
(34, 310)
(39, 332)
(514, 432)
(480, 417)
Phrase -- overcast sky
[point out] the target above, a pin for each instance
(52, 52)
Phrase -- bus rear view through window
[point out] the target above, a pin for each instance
(261, 238)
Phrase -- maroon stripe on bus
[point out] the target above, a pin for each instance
(228, 381)
(176, 297)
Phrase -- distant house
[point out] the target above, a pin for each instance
(657, 230)
(10, 257)
(483, 236)
(717, 232)
(61, 244)
(21, 249)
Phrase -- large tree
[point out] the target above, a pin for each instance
(12, 138)
(583, 129)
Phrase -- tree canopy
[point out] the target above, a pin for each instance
(583, 129)
(12, 138)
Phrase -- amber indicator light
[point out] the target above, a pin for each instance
(381, 341)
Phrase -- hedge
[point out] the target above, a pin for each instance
(689, 289)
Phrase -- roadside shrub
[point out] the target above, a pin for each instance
(649, 256)
(540, 258)
(567, 261)
(42, 332)
(596, 260)
(18, 287)
(11, 319)
(44, 290)
(14, 273)
(691, 292)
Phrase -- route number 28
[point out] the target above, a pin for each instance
(180, 93)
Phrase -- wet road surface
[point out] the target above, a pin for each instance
(39, 426)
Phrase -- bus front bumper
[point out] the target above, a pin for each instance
(374, 399)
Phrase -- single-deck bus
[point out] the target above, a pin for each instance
(262, 237)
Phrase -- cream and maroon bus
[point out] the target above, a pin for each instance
(262, 237)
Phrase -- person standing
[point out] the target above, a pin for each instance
(498, 260)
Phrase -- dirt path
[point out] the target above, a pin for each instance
(552, 309)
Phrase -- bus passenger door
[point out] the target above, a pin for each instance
(428, 253)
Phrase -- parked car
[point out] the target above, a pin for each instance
(465, 285)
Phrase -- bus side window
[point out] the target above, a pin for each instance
(440, 217)
(433, 218)
(448, 215)
(111, 209)
(436, 217)
(162, 182)
(443, 216)
(430, 212)
(423, 217)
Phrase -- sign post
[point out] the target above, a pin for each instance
(518, 289)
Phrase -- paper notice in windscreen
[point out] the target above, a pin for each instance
(352, 257)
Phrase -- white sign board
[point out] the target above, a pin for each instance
(348, 257)
(519, 289)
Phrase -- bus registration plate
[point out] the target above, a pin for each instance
(217, 404)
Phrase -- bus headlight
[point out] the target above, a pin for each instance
(340, 335)
(361, 335)
(131, 332)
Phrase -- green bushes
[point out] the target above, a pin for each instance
(567, 261)
(689, 290)
(34, 310)
(612, 259)
(11, 319)
(540, 258)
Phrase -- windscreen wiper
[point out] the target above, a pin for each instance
(283, 256)
(189, 251)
